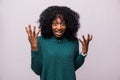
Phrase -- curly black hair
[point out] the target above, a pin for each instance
(70, 17)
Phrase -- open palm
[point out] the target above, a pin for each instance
(85, 43)
(33, 36)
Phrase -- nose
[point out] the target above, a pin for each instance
(59, 27)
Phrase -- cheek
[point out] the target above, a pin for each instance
(53, 27)
(64, 28)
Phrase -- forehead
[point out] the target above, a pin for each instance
(58, 20)
(59, 16)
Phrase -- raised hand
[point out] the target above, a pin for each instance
(85, 43)
(33, 37)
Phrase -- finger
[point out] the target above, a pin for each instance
(38, 32)
(88, 37)
(91, 37)
(34, 30)
(83, 38)
(26, 28)
(80, 41)
(30, 29)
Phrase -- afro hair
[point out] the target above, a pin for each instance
(70, 17)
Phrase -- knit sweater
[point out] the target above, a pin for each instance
(56, 59)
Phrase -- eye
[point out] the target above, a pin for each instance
(63, 23)
(54, 23)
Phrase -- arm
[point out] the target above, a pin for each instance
(79, 61)
(80, 57)
(36, 60)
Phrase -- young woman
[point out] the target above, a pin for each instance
(55, 54)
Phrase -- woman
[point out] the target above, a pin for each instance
(55, 54)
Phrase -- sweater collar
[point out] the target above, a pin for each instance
(62, 39)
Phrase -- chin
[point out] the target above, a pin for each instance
(58, 36)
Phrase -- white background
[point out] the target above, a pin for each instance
(98, 17)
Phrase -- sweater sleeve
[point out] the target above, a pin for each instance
(36, 61)
(79, 58)
(79, 61)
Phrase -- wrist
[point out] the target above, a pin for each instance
(84, 51)
(34, 48)
(83, 54)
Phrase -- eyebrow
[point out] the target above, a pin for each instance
(56, 21)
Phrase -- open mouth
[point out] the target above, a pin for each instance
(59, 33)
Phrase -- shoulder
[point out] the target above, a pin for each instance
(75, 40)
(41, 39)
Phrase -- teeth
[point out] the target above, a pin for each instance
(58, 33)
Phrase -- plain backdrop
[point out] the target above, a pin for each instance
(101, 18)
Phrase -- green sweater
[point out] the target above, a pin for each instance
(56, 59)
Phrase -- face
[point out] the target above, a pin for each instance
(58, 27)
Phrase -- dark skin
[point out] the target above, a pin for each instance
(85, 43)
(33, 39)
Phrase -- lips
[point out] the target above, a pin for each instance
(59, 33)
